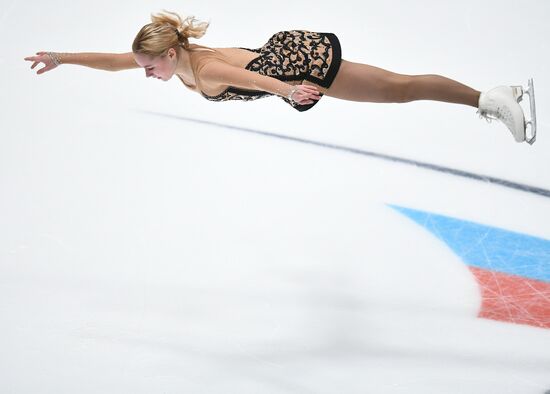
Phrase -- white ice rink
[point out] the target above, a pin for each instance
(155, 242)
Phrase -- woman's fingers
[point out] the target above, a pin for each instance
(34, 58)
(306, 94)
(310, 89)
(34, 61)
(41, 57)
(44, 69)
(310, 94)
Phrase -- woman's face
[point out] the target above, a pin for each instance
(160, 67)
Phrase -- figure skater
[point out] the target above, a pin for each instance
(299, 66)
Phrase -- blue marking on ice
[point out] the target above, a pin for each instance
(486, 247)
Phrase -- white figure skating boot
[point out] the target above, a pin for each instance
(502, 103)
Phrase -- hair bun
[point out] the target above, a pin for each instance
(166, 30)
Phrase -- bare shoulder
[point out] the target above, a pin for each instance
(212, 76)
(213, 64)
(206, 68)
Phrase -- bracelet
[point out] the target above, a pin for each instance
(54, 57)
(294, 89)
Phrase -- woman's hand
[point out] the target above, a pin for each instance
(304, 94)
(42, 57)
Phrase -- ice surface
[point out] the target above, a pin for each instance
(142, 251)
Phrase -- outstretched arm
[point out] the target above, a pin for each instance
(228, 75)
(100, 61)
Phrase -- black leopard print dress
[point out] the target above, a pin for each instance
(294, 57)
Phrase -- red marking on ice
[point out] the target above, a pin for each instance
(514, 299)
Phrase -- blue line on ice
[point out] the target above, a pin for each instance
(489, 248)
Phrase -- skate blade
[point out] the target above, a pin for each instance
(531, 137)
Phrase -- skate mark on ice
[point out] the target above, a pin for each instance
(433, 167)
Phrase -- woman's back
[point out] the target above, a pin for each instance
(200, 55)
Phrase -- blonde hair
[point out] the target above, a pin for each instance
(167, 30)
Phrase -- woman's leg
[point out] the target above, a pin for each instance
(361, 82)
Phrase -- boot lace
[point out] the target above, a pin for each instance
(502, 113)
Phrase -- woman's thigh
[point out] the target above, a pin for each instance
(361, 82)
